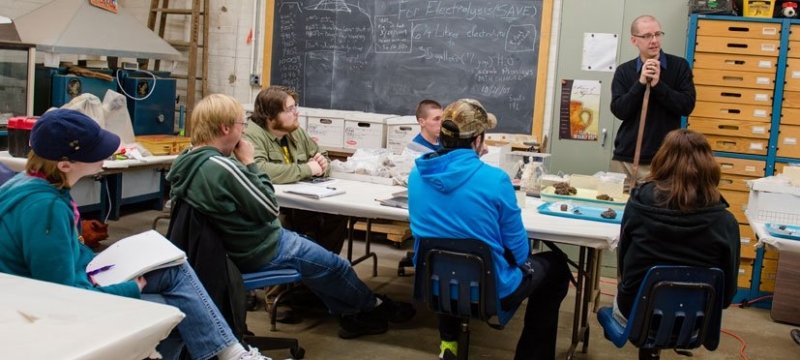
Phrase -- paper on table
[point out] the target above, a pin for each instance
(314, 191)
(134, 256)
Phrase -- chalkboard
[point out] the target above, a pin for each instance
(386, 55)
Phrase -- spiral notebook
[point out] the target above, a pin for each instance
(134, 256)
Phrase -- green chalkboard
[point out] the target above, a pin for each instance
(385, 56)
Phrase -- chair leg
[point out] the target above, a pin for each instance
(649, 354)
(463, 341)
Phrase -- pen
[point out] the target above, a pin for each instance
(99, 270)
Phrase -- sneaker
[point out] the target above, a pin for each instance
(449, 350)
(253, 354)
(365, 323)
(447, 355)
(395, 311)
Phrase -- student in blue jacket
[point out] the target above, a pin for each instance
(453, 194)
(39, 235)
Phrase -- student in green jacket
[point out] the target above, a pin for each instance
(285, 152)
(241, 202)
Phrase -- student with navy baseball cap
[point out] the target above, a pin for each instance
(63, 134)
(39, 236)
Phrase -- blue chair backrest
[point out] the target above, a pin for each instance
(456, 277)
(677, 307)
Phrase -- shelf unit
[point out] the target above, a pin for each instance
(747, 76)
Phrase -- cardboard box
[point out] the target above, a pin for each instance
(326, 128)
(774, 200)
(400, 131)
(364, 130)
(164, 144)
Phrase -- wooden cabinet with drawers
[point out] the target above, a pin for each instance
(747, 77)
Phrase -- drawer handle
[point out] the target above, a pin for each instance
(731, 111)
(738, 46)
(734, 62)
(738, 28)
(728, 127)
(726, 143)
(732, 78)
(726, 165)
(725, 182)
(730, 94)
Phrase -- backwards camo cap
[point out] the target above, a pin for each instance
(470, 118)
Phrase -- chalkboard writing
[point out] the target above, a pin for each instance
(387, 55)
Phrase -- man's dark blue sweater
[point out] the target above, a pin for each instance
(671, 98)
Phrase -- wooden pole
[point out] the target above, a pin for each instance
(638, 152)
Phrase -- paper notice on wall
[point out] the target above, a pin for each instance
(599, 52)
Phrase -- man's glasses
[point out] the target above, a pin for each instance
(292, 109)
(650, 36)
(244, 123)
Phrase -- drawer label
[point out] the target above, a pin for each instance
(760, 113)
(766, 64)
(790, 141)
(762, 80)
(768, 47)
(759, 130)
(795, 74)
(769, 31)
(750, 168)
(756, 146)
(762, 97)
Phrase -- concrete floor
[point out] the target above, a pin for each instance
(418, 339)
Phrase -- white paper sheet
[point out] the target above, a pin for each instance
(599, 52)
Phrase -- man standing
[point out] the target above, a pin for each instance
(453, 194)
(286, 153)
(240, 201)
(672, 95)
(429, 116)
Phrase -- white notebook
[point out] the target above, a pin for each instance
(134, 256)
(314, 191)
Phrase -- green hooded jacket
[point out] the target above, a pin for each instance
(240, 200)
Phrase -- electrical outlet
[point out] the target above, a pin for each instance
(255, 80)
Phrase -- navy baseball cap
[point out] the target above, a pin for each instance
(63, 134)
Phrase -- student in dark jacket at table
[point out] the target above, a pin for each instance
(677, 217)
(287, 154)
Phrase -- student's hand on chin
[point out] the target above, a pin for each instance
(244, 151)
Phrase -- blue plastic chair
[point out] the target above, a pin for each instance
(676, 307)
(264, 279)
(456, 277)
(191, 231)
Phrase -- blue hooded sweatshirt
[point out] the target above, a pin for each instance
(39, 239)
(456, 195)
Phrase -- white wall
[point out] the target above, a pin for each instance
(230, 56)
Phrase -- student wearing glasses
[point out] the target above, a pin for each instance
(672, 95)
(285, 152)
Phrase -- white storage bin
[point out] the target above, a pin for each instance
(774, 200)
(364, 130)
(400, 131)
(326, 128)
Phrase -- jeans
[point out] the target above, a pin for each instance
(203, 330)
(544, 287)
(329, 276)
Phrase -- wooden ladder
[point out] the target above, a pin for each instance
(198, 16)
